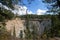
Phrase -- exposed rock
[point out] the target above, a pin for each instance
(17, 23)
(20, 25)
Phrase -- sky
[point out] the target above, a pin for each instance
(36, 5)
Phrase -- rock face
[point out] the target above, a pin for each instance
(18, 24)
(40, 26)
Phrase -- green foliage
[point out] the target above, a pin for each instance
(54, 6)
(56, 26)
(54, 31)
(6, 15)
(35, 16)
(1, 18)
(8, 3)
(4, 35)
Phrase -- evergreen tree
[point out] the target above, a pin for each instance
(55, 8)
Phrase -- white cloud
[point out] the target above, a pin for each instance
(21, 10)
(0, 4)
(41, 12)
(30, 12)
(6, 7)
(3, 6)
(24, 7)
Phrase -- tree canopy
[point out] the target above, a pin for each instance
(54, 6)
(4, 13)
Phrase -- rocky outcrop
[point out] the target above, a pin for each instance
(39, 25)
(18, 24)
